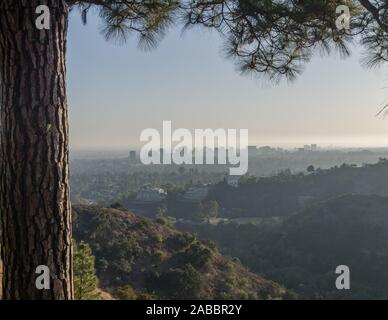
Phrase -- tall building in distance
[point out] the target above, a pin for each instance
(309, 147)
(132, 156)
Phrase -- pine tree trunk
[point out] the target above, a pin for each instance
(34, 189)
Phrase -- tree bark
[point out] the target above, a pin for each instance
(34, 189)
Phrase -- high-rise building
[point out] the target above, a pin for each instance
(132, 156)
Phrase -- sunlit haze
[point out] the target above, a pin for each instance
(117, 91)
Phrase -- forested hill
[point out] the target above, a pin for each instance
(285, 193)
(303, 251)
(154, 260)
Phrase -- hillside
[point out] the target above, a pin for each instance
(303, 251)
(156, 261)
(285, 193)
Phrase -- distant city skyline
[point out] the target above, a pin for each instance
(117, 91)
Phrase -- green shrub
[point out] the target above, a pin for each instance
(85, 279)
(126, 293)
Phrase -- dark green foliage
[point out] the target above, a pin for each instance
(279, 195)
(147, 19)
(146, 296)
(181, 240)
(126, 293)
(85, 279)
(121, 253)
(177, 283)
(278, 37)
(142, 259)
(161, 220)
(116, 205)
(303, 251)
(197, 255)
(102, 264)
(210, 209)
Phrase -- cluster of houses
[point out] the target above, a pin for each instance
(149, 194)
(196, 193)
(152, 195)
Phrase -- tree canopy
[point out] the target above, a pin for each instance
(271, 37)
(85, 279)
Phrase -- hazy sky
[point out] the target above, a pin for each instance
(117, 91)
